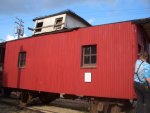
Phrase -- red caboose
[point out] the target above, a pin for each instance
(93, 62)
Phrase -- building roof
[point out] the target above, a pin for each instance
(65, 12)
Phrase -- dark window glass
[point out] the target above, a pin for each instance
(39, 27)
(93, 50)
(89, 55)
(86, 59)
(58, 23)
(87, 51)
(22, 59)
(93, 59)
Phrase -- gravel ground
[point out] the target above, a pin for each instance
(8, 105)
(4, 108)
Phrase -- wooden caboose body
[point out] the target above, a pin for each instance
(94, 61)
(54, 62)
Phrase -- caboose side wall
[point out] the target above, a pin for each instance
(53, 62)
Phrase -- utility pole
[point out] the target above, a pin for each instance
(19, 28)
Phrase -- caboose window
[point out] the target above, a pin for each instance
(39, 27)
(22, 59)
(58, 23)
(89, 55)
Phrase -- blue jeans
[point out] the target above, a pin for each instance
(143, 98)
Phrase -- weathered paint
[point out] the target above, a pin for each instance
(54, 62)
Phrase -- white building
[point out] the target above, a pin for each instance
(59, 21)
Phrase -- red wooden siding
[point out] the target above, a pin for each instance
(53, 62)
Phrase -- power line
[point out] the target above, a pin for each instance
(19, 28)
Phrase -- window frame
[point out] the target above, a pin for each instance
(22, 59)
(38, 28)
(59, 24)
(90, 64)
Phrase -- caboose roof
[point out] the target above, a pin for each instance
(69, 12)
(144, 22)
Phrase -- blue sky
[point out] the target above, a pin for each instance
(94, 11)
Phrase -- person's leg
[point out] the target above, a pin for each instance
(147, 101)
(140, 105)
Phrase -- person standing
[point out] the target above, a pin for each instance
(142, 83)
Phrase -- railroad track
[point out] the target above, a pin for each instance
(10, 105)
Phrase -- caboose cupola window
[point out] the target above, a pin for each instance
(58, 23)
(39, 26)
(22, 59)
(89, 55)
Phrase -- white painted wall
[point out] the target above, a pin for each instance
(49, 22)
(73, 22)
(68, 20)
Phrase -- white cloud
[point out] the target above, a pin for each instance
(1, 41)
(24, 36)
(9, 37)
(8, 7)
(91, 20)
